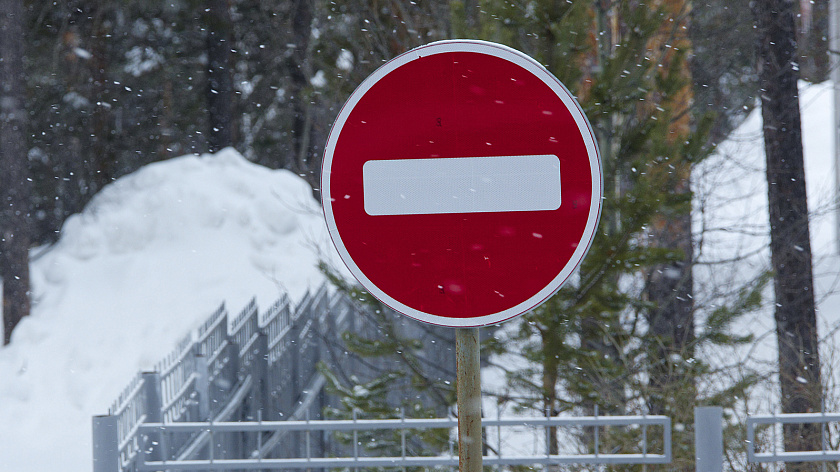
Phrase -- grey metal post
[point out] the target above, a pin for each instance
(259, 371)
(708, 438)
(106, 444)
(154, 414)
(202, 386)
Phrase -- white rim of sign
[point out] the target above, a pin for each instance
(527, 63)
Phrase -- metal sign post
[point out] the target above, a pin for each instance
(468, 383)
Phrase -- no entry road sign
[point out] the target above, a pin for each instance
(461, 183)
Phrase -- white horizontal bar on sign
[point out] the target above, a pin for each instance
(461, 185)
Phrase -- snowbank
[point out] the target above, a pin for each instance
(150, 257)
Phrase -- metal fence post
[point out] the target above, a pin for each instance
(202, 386)
(154, 414)
(708, 438)
(106, 444)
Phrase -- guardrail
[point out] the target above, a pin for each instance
(250, 397)
(218, 375)
(776, 455)
(309, 460)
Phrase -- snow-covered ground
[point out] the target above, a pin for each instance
(156, 252)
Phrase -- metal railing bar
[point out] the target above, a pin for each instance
(191, 379)
(280, 336)
(402, 431)
(355, 437)
(209, 326)
(249, 344)
(435, 461)
(315, 385)
(176, 362)
(788, 418)
(308, 439)
(750, 441)
(796, 456)
(410, 423)
(821, 455)
(132, 432)
(215, 355)
(259, 438)
(597, 430)
(245, 315)
(129, 397)
(236, 400)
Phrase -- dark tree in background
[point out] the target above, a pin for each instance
(297, 64)
(670, 285)
(725, 78)
(14, 173)
(796, 324)
(219, 75)
(812, 51)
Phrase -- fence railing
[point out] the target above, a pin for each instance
(250, 397)
(309, 461)
(263, 367)
(776, 454)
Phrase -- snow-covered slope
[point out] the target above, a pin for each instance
(150, 257)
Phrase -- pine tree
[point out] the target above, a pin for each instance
(390, 367)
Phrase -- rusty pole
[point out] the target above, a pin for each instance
(469, 400)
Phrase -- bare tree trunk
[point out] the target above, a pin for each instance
(219, 74)
(796, 326)
(14, 182)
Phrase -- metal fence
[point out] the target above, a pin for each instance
(311, 460)
(265, 367)
(778, 454)
(249, 397)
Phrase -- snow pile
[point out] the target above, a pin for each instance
(149, 259)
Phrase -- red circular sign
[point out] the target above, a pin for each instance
(461, 183)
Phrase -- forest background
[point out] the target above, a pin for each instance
(109, 87)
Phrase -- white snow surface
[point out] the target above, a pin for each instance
(157, 251)
(150, 258)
